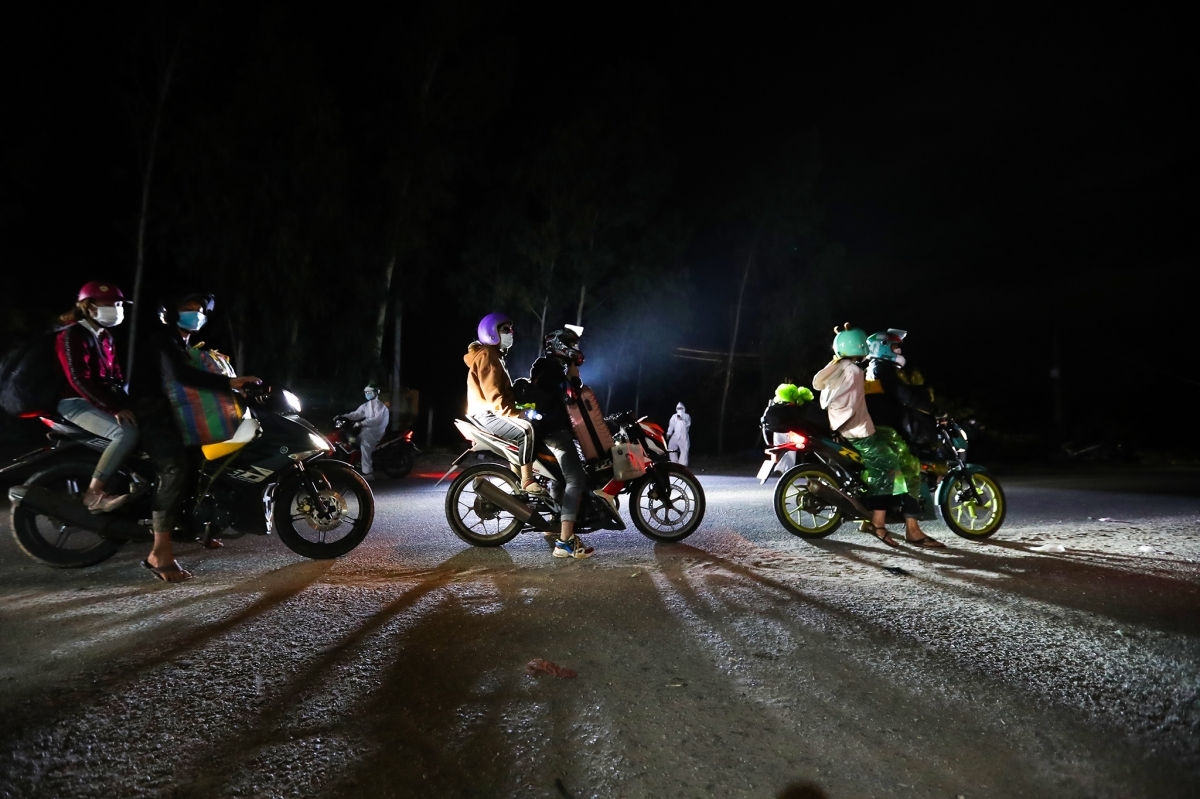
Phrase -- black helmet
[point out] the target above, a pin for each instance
(564, 343)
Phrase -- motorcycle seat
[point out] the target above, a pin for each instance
(246, 432)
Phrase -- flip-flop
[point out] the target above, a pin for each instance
(166, 574)
(925, 543)
(886, 537)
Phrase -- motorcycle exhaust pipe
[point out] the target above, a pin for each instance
(847, 504)
(70, 511)
(492, 493)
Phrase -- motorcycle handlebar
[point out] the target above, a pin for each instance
(256, 392)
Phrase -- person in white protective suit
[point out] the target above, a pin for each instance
(372, 419)
(678, 435)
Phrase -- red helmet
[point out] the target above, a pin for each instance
(100, 291)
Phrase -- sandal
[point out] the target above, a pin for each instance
(169, 574)
(924, 543)
(533, 487)
(885, 537)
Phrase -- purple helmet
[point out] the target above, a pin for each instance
(489, 327)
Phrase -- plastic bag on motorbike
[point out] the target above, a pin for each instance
(629, 461)
(31, 378)
(205, 416)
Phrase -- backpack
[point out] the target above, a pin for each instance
(31, 378)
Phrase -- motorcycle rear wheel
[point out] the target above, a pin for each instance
(802, 510)
(335, 522)
(670, 518)
(51, 540)
(398, 465)
(972, 511)
(475, 519)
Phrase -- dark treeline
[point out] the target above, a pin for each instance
(707, 197)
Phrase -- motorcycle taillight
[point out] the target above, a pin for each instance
(799, 440)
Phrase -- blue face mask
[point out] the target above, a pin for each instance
(369, 395)
(192, 320)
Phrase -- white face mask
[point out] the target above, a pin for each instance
(108, 315)
(506, 340)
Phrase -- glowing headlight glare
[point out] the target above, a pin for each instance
(318, 442)
(292, 400)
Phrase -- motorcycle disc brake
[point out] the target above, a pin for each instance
(325, 513)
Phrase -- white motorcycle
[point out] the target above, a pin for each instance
(486, 506)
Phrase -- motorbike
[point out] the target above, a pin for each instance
(825, 487)
(486, 506)
(276, 474)
(395, 454)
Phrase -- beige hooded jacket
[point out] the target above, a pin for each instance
(841, 383)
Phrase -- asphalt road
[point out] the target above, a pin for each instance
(1058, 659)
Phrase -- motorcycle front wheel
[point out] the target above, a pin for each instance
(330, 523)
(672, 515)
(801, 506)
(55, 541)
(972, 505)
(475, 519)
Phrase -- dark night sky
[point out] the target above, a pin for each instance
(1017, 177)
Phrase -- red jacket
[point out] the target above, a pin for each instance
(89, 360)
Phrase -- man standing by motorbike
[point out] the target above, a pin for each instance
(372, 419)
(161, 357)
(551, 376)
(892, 397)
(490, 400)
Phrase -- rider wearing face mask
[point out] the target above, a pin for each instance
(372, 418)
(490, 399)
(96, 399)
(890, 469)
(163, 359)
(894, 398)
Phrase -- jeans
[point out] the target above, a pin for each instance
(562, 444)
(164, 446)
(123, 438)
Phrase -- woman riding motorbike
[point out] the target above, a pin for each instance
(490, 400)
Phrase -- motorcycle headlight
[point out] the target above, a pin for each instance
(319, 442)
(958, 439)
(292, 400)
